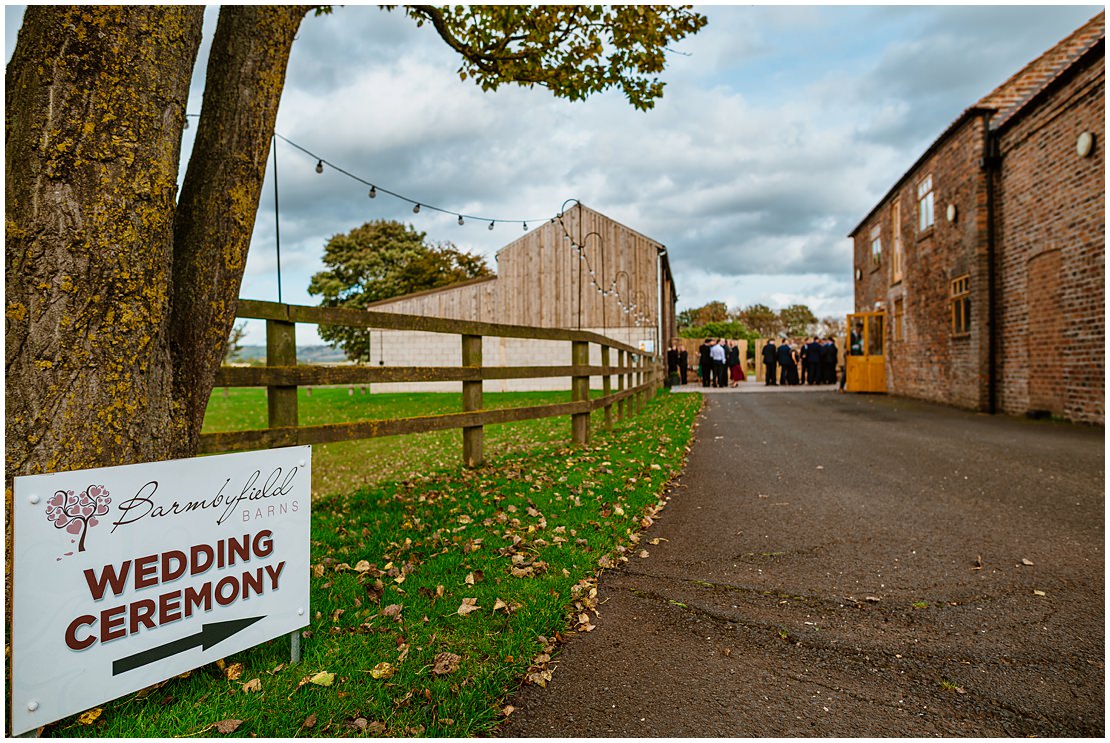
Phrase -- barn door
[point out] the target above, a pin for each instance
(865, 364)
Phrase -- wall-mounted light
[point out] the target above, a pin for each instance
(859, 274)
(952, 213)
(1085, 144)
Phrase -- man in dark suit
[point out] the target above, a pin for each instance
(813, 361)
(829, 358)
(770, 360)
(788, 368)
(706, 363)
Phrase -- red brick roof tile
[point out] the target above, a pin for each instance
(1009, 97)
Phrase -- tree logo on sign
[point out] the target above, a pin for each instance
(77, 512)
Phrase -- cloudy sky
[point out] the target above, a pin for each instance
(780, 127)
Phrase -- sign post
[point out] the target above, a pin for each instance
(126, 576)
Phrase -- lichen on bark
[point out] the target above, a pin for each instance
(114, 334)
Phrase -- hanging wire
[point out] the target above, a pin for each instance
(375, 189)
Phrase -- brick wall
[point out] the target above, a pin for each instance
(930, 361)
(1050, 221)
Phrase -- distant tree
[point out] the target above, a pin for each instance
(835, 327)
(715, 311)
(686, 319)
(761, 319)
(380, 260)
(235, 342)
(798, 320)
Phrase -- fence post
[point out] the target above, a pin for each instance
(472, 400)
(641, 366)
(281, 350)
(620, 386)
(607, 389)
(580, 390)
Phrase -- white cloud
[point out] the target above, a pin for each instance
(779, 129)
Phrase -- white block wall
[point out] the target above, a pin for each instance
(408, 348)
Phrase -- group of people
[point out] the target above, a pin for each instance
(719, 363)
(810, 362)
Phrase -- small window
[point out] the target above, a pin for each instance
(925, 203)
(960, 297)
(899, 316)
(876, 246)
(896, 242)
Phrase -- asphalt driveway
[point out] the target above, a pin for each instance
(852, 565)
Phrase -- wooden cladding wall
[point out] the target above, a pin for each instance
(541, 281)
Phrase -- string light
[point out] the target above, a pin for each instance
(580, 249)
(373, 192)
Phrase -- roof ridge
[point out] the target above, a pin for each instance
(1008, 97)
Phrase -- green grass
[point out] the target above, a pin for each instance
(547, 512)
(347, 465)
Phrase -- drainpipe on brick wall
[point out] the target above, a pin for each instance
(991, 163)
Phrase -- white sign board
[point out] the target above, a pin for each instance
(126, 576)
(647, 346)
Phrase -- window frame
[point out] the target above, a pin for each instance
(959, 299)
(926, 211)
(897, 327)
(897, 252)
(876, 246)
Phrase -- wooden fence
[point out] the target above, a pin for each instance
(638, 376)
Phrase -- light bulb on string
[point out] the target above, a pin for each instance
(491, 225)
(416, 209)
(373, 192)
(319, 166)
(460, 221)
(525, 226)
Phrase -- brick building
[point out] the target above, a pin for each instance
(580, 271)
(988, 255)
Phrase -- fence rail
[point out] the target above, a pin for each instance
(638, 376)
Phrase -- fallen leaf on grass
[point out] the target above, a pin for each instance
(323, 678)
(252, 686)
(234, 672)
(224, 727)
(507, 710)
(382, 671)
(91, 716)
(467, 606)
(445, 663)
(310, 721)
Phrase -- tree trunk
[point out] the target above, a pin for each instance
(219, 198)
(118, 311)
(95, 106)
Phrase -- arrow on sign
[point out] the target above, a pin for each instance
(210, 634)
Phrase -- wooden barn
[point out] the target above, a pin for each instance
(580, 270)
